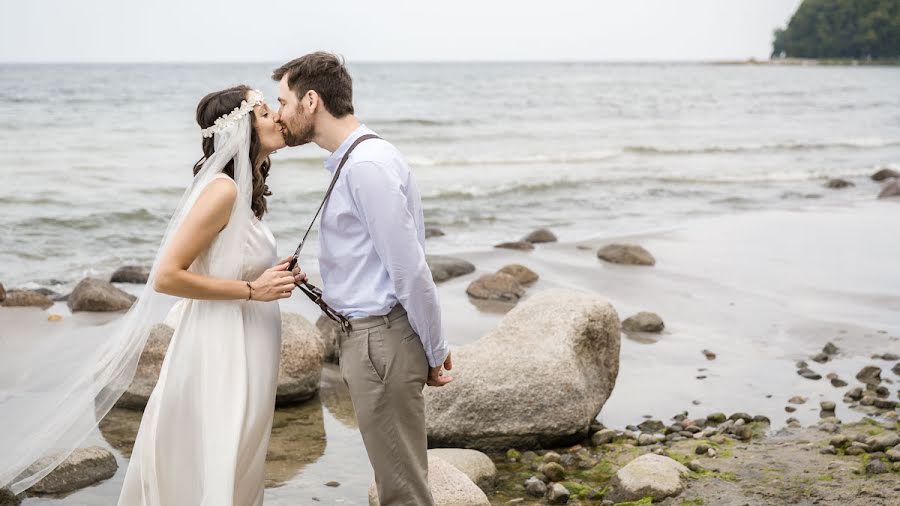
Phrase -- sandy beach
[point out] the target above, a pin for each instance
(761, 290)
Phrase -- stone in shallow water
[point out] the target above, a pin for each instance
(498, 287)
(523, 275)
(870, 375)
(444, 267)
(27, 298)
(474, 464)
(433, 232)
(92, 294)
(809, 374)
(540, 235)
(516, 245)
(535, 487)
(830, 349)
(890, 189)
(130, 274)
(84, 467)
(449, 486)
(626, 254)
(644, 321)
(837, 184)
(557, 494)
(884, 174)
(302, 355)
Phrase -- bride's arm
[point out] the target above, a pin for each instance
(204, 221)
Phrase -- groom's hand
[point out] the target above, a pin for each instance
(436, 376)
(299, 275)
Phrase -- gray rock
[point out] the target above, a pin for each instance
(553, 471)
(885, 404)
(896, 369)
(535, 487)
(828, 450)
(499, 287)
(830, 349)
(821, 357)
(809, 374)
(474, 464)
(827, 406)
(627, 254)
(603, 437)
(149, 365)
(716, 418)
(649, 475)
(564, 340)
(884, 174)
(84, 467)
(557, 494)
(449, 486)
(890, 357)
(838, 383)
(92, 294)
(870, 375)
(797, 399)
(523, 275)
(883, 441)
(445, 267)
(709, 355)
(890, 189)
(651, 426)
(875, 466)
(644, 321)
(516, 245)
(837, 183)
(130, 274)
(2, 298)
(27, 298)
(433, 232)
(855, 393)
(328, 331)
(540, 235)
(7, 498)
(645, 440)
(302, 354)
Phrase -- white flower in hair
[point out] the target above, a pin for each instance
(254, 98)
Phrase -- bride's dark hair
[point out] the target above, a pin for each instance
(211, 108)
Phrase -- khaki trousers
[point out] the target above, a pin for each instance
(383, 364)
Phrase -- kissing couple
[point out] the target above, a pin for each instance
(205, 430)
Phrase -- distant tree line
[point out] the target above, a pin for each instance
(857, 29)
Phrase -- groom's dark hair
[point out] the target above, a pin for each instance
(326, 74)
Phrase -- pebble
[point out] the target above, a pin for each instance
(54, 318)
(830, 349)
(855, 393)
(876, 467)
(797, 399)
(694, 466)
(535, 487)
(551, 457)
(603, 437)
(716, 418)
(809, 374)
(701, 449)
(709, 355)
(838, 382)
(828, 450)
(790, 409)
(821, 358)
(557, 494)
(333, 484)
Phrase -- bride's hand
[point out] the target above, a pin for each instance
(276, 283)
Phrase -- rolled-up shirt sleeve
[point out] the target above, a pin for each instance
(382, 202)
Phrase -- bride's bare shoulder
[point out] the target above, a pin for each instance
(221, 192)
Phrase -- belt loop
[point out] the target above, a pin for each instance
(387, 321)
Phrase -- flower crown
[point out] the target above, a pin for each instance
(254, 98)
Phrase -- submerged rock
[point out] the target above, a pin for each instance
(890, 189)
(627, 254)
(302, 354)
(130, 274)
(649, 475)
(499, 286)
(84, 467)
(870, 375)
(540, 235)
(516, 245)
(445, 267)
(838, 183)
(644, 321)
(27, 298)
(884, 174)
(92, 294)
(566, 349)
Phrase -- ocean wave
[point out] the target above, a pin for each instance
(138, 216)
(763, 148)
(594, 156)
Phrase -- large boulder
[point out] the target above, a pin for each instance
(329, 330)
(449, 486)
(627, 254)
(7, 498)
(499, 287)
(884, 174)
(149, 365)
(474, 464)
(27, 298)
(538, 379)
(444, 267)
(130, 274)
(649, 475)
(84, 467)
(540, 235)
(93, 294)
(302, 354)
(890, 189)
(523, 275)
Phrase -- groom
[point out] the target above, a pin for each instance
(372, 261)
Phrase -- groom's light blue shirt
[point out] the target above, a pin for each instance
(372, 242)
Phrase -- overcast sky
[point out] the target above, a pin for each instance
(388, 30)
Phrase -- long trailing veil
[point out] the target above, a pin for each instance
(53, 396)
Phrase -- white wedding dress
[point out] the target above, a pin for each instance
(205, 430)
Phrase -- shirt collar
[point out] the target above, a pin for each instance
(332, 162)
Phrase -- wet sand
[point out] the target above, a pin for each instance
(762, 290)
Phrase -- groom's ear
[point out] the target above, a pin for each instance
(311, 101)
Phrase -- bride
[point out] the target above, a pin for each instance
(205, 430)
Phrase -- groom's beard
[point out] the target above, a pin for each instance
(303, 134)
